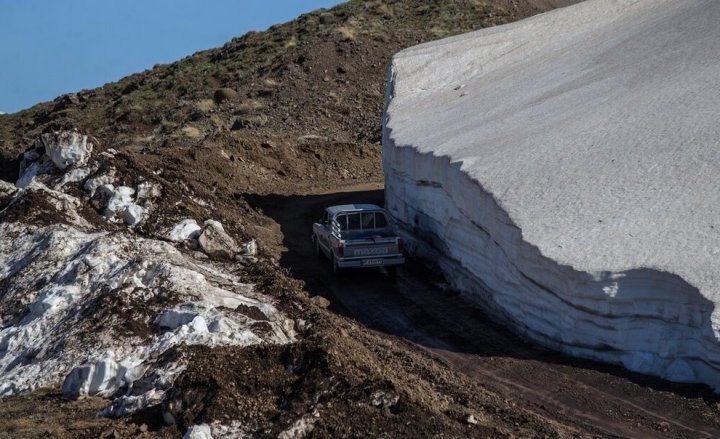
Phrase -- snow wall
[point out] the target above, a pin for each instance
(564, 171)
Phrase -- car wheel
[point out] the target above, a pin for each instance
(318, 250)
(335, 267)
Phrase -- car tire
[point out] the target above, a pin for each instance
(318, 250)
(335, 267)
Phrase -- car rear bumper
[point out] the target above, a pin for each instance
(371, 262)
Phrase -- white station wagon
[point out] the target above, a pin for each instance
(358, 236)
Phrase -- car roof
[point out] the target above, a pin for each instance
(332, 210)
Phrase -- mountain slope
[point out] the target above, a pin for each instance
(312, 88)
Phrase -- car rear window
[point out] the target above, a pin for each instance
(342, 221)
(368, 220)
(354, 221)
(361, 221)
(380, 220)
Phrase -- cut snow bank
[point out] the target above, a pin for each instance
(565, 171)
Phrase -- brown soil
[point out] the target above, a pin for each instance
(583, 396)
(44, 414)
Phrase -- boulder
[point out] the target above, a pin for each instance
(101, 196)
(250, 248)
(66, 148)
(148, 190)
(215, 242)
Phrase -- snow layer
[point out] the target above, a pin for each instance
(58, 272)
(565, 171)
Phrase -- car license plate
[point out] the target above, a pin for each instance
(372, 262)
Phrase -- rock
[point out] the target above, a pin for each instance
(101, 196)
(66, 101)
(215, 242)
(250, 248)
(320, 301)
(215, 224)
(384, 399)
(7, 189)
(224, 94)
(470, 419)
(133, 214)
(250, 122)
(148, 190)
(184, 230)
(66, 148)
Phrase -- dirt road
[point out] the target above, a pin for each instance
(591, 398)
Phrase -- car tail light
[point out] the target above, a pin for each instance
(341, 249)
(401, 245)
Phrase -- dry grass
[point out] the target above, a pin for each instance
(205, 105)
(191, 132)
(345, 33)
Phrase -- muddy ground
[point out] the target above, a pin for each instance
(593, 397)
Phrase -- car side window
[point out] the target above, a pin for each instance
(380, 220)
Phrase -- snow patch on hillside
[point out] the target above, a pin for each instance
(99, 310)
(61, 333)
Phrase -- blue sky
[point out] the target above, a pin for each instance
(52, 47)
